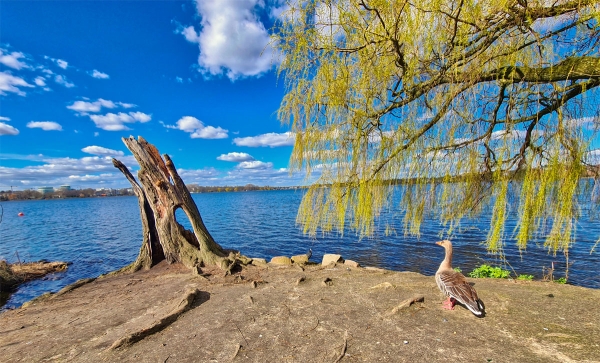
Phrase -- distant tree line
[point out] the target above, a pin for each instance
(195, 188)
(6, 195)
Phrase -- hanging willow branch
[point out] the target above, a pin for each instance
(473, 106)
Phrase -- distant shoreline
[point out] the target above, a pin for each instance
(10, 196)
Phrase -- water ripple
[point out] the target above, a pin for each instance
(99, 235)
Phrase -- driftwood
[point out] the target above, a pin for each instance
(12, 275)
(160, 194)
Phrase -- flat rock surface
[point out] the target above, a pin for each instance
(284, 318)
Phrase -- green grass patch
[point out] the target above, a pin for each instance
(525, 277)
(490, 272)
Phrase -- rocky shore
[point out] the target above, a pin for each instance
(299, 313)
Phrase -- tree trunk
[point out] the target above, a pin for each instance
(161, 193)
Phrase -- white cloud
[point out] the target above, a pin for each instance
(12, 60)
(504, 134)
(232, 39)
(86, 172)
(2, 118)
(39, 81)
(100, 75)
(45, 125)
(116, 122)
(101, 151)
(588, 123)
(62, 64)
(209, 132)
(327, 16)
(189, 124)
(126, 105)
(179, 79)
(62, 80)
(235, 157)
(261, 174)
(255, 164)
(30, 157)
(83, 107)
(198, 130)
(10, 83)
(140, 116)
(545, 25)
(6, 129)
(425, 116)
(190, 34)
(271, 139)
(169, 126)
(280, 12)
(592, 157)
(198, 175)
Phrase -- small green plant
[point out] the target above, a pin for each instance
(457, 269)
(562, 280)
(489, 271)
(524, 277)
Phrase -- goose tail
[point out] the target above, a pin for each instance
(476, 307)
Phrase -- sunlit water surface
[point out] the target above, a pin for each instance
(98, 235)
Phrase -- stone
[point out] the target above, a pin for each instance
(330, 258)
(327, 281)
(259, 262)
(281, 260)
(244, 260)
(384, 285)
(351, 263)
(377, 269)
(300, 259)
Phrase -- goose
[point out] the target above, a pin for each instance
(454, 284)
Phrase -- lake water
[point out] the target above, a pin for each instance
(98, 235)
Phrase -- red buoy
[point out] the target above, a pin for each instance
(21, 214)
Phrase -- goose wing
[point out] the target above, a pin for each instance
(455, 285)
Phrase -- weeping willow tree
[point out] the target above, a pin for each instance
(474, 106)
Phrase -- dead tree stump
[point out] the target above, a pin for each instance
(160, 194)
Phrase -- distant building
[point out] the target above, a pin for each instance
(64, 188)
(45, 190)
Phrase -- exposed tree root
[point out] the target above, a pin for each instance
(74, 286)
(237, 350)
(162, 322)
(406, 303)
(344, 347)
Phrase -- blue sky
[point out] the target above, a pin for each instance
(196, 79)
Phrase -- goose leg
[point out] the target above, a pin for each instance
(449, 304)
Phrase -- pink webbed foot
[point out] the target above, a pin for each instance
(449, 304)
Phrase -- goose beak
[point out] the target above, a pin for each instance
(439, 243)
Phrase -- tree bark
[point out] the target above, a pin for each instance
(161, 193)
